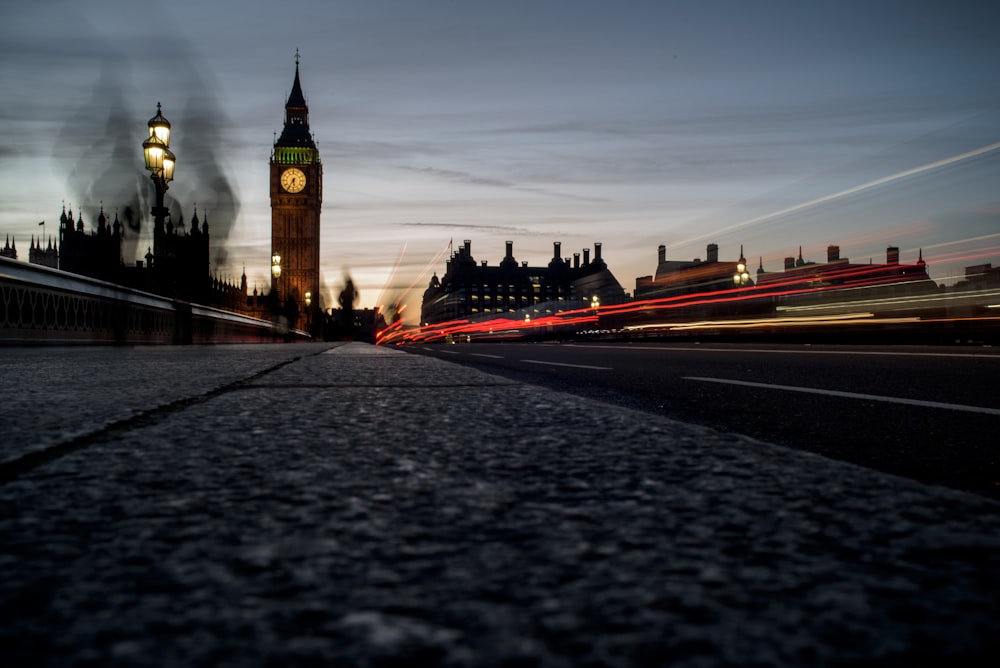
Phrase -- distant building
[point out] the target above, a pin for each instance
(471, 290)
(9, 249)
(841, 272)
(684, 277)
(97, 254)
(979, 277)
(840, 286)
(47, 256)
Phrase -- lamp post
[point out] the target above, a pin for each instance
(160, 162)
(275, 271)
(308, 302)
(741, 277)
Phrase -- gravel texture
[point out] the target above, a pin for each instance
(366, 507)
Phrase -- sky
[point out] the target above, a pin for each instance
(766, 124)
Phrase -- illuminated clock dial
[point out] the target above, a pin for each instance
(293, 180)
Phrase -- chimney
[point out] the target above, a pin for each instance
(712, 253)
(892, 255)
(556, 250)
(597, 251)
(789, 263)
(510, 251)
(662, 253)
(468, 247)
(576, 260)
(586, 256)
(832, 253)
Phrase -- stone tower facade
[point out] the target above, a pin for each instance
(296, 202)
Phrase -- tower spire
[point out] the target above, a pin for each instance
(296, 131)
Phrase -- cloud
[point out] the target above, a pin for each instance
(505, 229)
(470, 179)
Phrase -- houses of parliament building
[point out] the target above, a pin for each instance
(177, 264)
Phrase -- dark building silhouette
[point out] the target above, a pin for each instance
(840, 286)
(296, 202)
(180, 259)
(471, 290)
(682, 277)
(46, 256)
(9, 249)
(841, 272)
(97, 254)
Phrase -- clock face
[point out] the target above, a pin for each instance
(293, 180)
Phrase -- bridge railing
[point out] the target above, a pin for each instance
(40, 305)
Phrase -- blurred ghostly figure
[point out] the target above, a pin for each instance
(348, 296)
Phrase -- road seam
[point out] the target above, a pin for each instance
(12, 469)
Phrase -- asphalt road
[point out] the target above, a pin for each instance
(931, 414)
(353, 505)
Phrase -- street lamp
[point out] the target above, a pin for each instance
(308, 301)
(160, 162)
(741, 277)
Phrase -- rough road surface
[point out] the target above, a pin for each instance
(359, 506)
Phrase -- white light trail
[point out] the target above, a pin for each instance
(850, 191)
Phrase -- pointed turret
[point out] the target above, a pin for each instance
(8, 250)
(296, 99)
(296, 131)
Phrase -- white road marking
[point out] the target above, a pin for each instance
(574, 366)
(852, 395)
(448, 352)
(804, 351)
(492, 357)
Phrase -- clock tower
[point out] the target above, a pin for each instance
(296, 200)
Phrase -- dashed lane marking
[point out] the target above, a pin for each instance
(574, 366)
(852, 395)
(787, 351)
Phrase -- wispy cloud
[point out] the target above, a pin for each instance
(506, 229)
(471, 179)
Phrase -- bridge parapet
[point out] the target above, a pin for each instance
(40, 305)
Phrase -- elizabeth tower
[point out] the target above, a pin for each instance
(296, 200)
